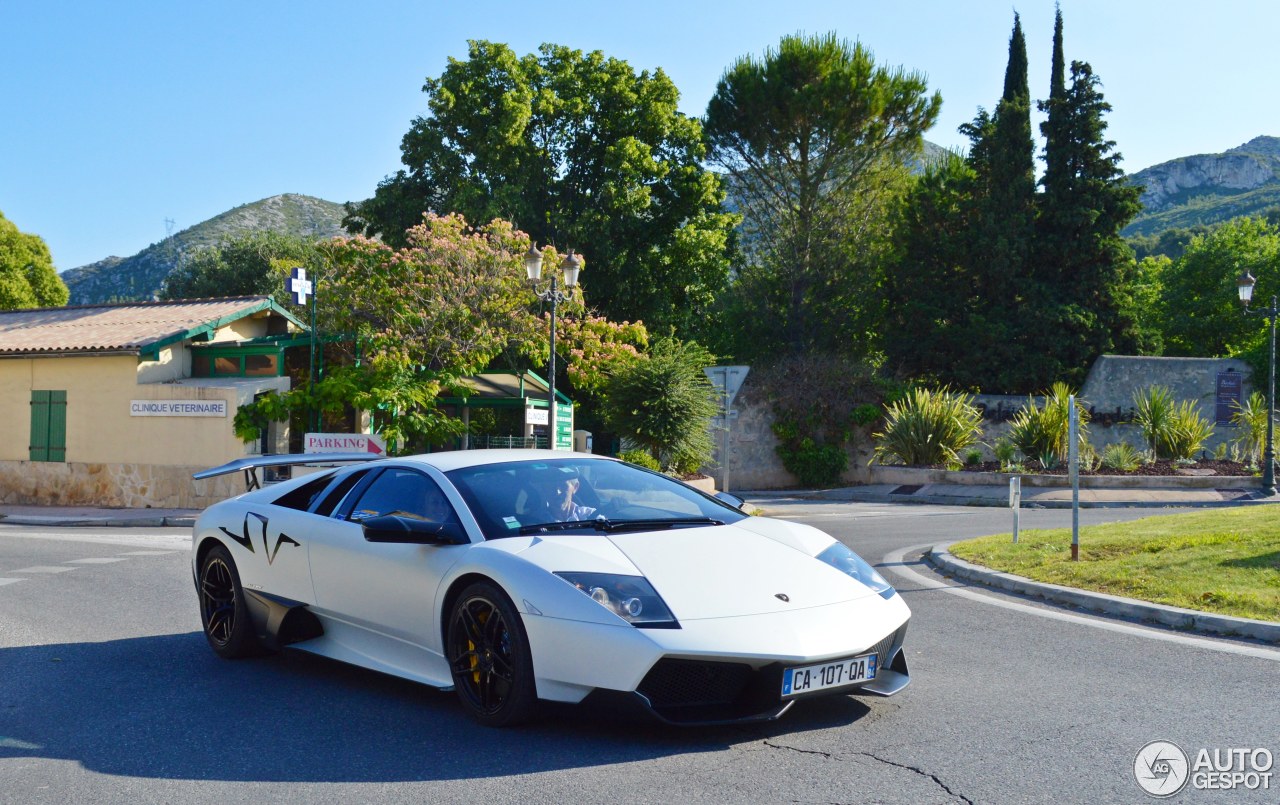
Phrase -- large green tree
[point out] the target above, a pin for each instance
(1084, 206)
(246, 264)
(814, 136)
(27, 276)
(1006, 290)
(1199, 305)
(580, 151)
(932, 314)
(965, 293)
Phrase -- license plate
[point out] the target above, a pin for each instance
(823, 675)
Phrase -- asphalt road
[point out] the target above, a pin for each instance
(108, 693)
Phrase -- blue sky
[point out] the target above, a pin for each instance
(121, 115)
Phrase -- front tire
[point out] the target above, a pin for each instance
(488, 653)
(223, 610)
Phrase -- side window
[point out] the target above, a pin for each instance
(303, 496)
(327, 506)
(404, 492)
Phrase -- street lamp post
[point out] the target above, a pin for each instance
(570, 267)
(1245, 286)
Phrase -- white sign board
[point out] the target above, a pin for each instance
(178, 408)
(537, 416)
(343, 443)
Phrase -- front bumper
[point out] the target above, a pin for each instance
(721, 670)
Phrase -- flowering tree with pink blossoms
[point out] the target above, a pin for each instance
(451, 303)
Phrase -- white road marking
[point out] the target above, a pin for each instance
(43, 569)
(174, 542)
(895, 565)
(3, 582)
(99, 560)
(149, 553)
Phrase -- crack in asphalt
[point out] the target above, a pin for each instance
(830, 756)
(827, 755)
(937, 781)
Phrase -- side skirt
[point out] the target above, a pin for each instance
(279, 621)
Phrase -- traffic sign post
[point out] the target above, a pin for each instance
(726, 380)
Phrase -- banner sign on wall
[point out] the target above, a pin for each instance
(178, 408)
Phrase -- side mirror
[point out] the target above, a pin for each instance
(733, 500)
(412, 531)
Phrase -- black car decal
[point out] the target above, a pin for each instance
(246, 539)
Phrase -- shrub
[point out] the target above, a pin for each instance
(665, 403)
(1187, 431)
(640, 458)
(1045, 433)
(1121, 456)
(1251, 417)
(1154, 408)
(813, 464)
(928, 427)
(973, 458)
(1005, 452)
(819, 402)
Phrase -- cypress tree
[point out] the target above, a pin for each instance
(1052, 127)
(1002, 157)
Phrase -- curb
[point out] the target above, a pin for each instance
(1182, 619)
(996, 503)
(100, 522)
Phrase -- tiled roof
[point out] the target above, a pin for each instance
(129, 327)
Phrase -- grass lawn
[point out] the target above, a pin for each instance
(1219, 560)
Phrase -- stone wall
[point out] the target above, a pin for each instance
(754, 461)
(41, 483)
(1108, 390)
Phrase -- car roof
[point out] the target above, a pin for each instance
(457, 459)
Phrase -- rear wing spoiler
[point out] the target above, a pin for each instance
(250, 464)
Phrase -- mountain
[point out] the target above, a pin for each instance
(1209, 188)
(140, 276)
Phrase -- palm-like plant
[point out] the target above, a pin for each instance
(1044, 433)
(928, 427)
(1154, 411)
(1251, 417)
(1187, 432)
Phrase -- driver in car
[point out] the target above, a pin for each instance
(556, 489)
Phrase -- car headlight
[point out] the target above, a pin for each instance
(631, 598)
(846, 561)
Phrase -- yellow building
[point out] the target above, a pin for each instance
(116, 405)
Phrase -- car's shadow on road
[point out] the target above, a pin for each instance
(166, 707)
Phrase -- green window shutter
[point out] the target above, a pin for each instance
(48, 426)
(39, 444)
(58, 426)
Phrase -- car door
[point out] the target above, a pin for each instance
(384, 593)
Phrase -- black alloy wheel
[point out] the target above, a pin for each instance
(489, 657)
(222, 607)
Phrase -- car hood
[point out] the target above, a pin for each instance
(752, 567)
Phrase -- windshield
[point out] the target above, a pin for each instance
(581, 494)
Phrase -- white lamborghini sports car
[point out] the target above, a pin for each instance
(518, 575)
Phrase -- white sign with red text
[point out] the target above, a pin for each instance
(344, 443)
